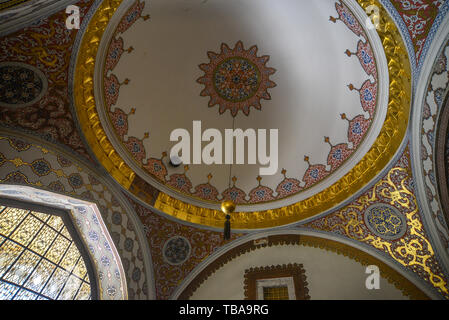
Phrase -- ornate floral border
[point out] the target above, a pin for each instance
(433, 100)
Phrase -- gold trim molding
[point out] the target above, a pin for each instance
(381, 152)
(85, 99)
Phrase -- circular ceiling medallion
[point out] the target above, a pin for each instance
(385, 221)
(236, 79)
(21, 84)
(176, 250)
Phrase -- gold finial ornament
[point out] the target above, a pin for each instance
(227, 206)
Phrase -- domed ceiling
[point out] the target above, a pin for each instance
(309, 78)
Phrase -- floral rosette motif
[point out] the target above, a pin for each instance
(236, 79)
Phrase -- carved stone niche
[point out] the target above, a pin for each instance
(291, 276)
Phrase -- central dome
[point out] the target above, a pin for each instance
(312, 70)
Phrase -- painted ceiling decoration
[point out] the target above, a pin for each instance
(236, 79)
(176, 250)
(197, 244)
(385, 221)
(191, 187)
(442, 159)
(220, 91)
(21, 85)
(405, 239)
(419, 17)
(46, 48)
(80, 106)
(30, 164)
(434, 88)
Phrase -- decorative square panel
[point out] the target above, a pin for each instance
(275, 282)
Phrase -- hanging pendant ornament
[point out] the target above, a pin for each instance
(227, 207)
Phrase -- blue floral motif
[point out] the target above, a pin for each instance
(114, 53)
(366, 57)
(107, 246)
(314, 173)
(288, 186)
(131, 16)
(338, 154)
(431, 137)
(357, 128)
(117, 218)
(129, 244)
(260, 193)
(93, 236)
(348, 18)
(180, 182)
(368, 96)
(157, 167)
(136, 147)
(95, 220)
(385, 221)
(105, 261)
(112, 89)
(233, 194)
(176, 250)
(120, 121)
(75, 180)
(236, 79)
(111, 291)
(41, 167)
(136, 274)
(19, 85)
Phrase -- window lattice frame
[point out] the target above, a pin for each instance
(70, 232)
(294, 271)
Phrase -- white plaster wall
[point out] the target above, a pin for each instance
(329, 275)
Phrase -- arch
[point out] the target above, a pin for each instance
(423, 124)
(74, 269)
(18, 153)
(441, 158)
(108, 274)
(402, 280)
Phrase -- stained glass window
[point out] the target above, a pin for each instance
(39, 260)
(275, 293)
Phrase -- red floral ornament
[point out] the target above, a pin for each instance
(236, 79)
